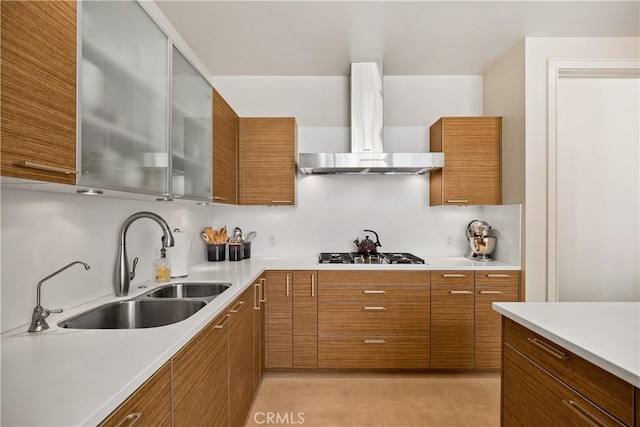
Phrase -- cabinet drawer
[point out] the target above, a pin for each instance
(533, 397)
(497, 278)
(373, 278)
(373, 294)
(373, 352)
(606, 390)
(452, 278)
(373, 319)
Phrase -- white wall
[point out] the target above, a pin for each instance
(537, 52)
(42, 232)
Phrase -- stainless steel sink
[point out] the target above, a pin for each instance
(205, 291)
(133, 314)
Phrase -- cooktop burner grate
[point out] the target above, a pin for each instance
(380, 258)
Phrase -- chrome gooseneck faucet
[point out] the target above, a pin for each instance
(123, 276)
(38, 322)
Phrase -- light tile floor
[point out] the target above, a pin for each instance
(386, 400)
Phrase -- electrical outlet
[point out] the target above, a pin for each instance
(272, 240)
(449, 241)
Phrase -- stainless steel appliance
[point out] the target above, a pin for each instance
(481, 243)
(379, 258)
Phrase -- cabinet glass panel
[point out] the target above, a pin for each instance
(123, 98)
(190, 131)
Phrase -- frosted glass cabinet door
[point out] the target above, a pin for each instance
(191, 142)
(123, 99)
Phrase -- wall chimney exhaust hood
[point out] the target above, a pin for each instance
(367, 154)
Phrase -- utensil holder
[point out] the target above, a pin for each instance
(216, 252)
(246, 250)
(235, 252)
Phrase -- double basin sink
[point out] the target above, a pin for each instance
(162, 306)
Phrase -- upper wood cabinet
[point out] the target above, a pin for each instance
(472, 173)
(226, 125)
(38, 90)
(267, 161)
(149, 406)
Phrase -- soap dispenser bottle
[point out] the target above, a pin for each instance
(163, 267)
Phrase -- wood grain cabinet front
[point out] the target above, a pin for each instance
(241, 358)
(267, 161)
(373, 320)
(472, 173)
(226, 126)
(149, 406)
(305, 319)
(279, 322)
(452, 319)
(38, 90)
(201, 377)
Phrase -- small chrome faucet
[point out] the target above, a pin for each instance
(38, 322)
(122, 275)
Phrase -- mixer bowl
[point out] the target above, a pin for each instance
(481, 248)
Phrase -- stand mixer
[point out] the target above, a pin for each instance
(481, 243)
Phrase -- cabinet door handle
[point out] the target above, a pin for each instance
(454, 275)
(236, 308)
(373, 308)
(460, 292)
(130, 419)
(281, 201)
(374, 341)
(287, 286)
(43, 167)
(499, 275)
(313, 285)
(374, 292)
(223, 322)
(549, 349)
(219, 198)
(263, 290)
(490, 292)
(457, 201)
(256, 296)
(583, 413)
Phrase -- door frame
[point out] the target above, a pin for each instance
(558, 69)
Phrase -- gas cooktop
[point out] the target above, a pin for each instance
(380, 258)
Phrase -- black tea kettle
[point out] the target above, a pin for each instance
(368, 246)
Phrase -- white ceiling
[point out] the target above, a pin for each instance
(321, 38)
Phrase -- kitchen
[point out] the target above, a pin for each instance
(397, 207)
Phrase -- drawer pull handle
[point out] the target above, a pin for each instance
(256, 301)
(236, 308)
(583, 413)
(549, 349)
(453, 275)
(374, 341)
(263, 290)
(287, 286)
(219, 198)
(47, 168)
(221, 324)
(373, 292)
(460, 292)
(282, 201)
(490, 292)
(130, 419)
(499, 275)
(457, 201)
(373, 308)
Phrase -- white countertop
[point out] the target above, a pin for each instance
(64, 377)
(606, 334)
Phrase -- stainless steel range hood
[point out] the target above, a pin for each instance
(367, 154)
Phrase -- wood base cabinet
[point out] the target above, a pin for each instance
(373, 320)
(305, 319)
(38, 90)
(472, 174)
(452, 319)
(545, 384)
(279, 322)
(201, 377)
(149, 406)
